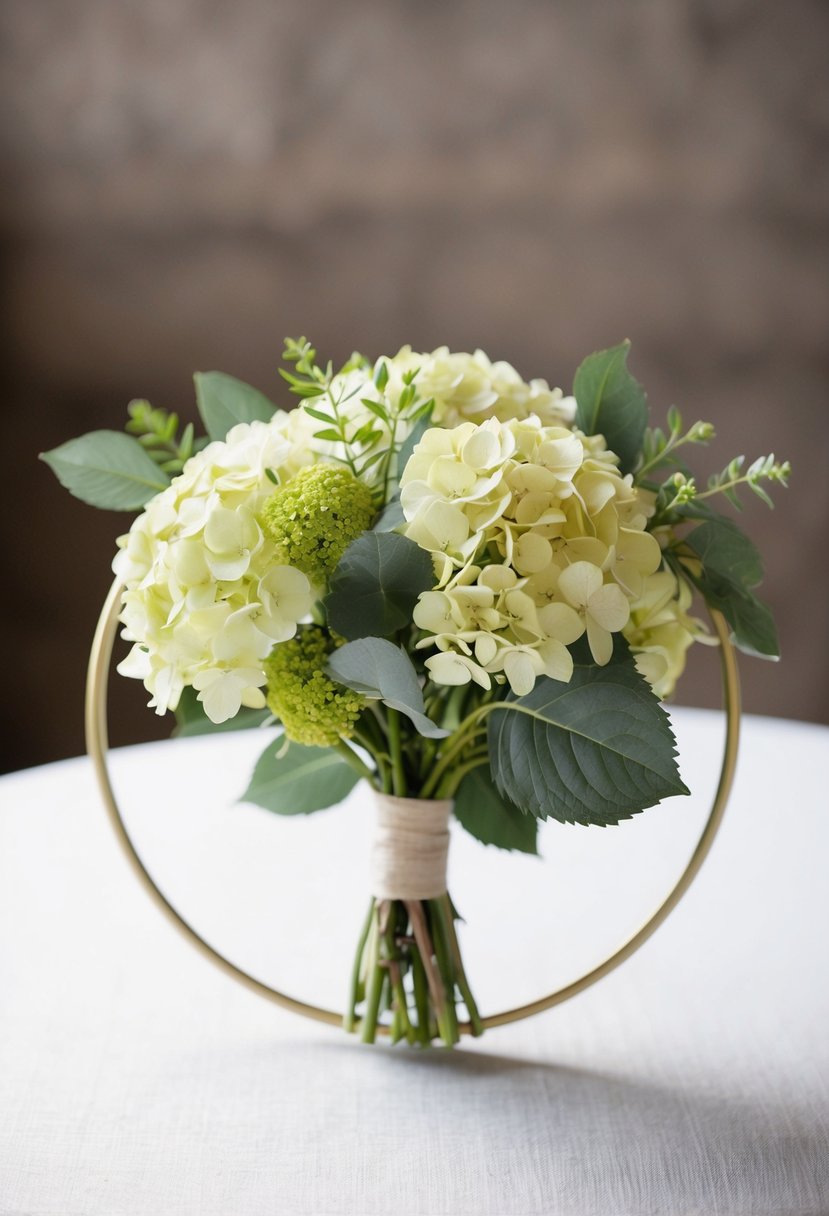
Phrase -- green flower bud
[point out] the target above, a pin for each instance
(315, 516)
(313, 708)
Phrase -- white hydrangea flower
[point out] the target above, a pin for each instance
(471, 388)
(205, 600)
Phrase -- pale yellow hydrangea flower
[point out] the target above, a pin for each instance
(206, 598)
(660, 631)
(562, 529)
(471, 388)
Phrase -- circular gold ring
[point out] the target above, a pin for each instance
(97, 746)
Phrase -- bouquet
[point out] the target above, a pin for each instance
(465, 589)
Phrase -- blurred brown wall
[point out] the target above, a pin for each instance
(187, 182)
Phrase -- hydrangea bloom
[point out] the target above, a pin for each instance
(660, 631)
(563, 532)
(471, 388)
(206, 596)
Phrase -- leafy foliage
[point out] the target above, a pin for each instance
(157, 432)
(373, 445)
(107, 469)
(482, 811)
(375, 586)
(225, 401)
(594, 751)
(302, 780)
(380, 670)
(725, 567)
(659, 448)
(611, 403)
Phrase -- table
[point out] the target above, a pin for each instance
(137, 1080)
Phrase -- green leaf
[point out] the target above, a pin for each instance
(224, 401)
(376, 584)
(481, 810)
(726, 552)
(731, 568)
(593, 751)
(192, 720)
(391, 517)
(107, 469)
(611, 403)
(305, 779)
(413, 438)
(381, 670)
(753, 630)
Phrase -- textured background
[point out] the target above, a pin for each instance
(187, 182)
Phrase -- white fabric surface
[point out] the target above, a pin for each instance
(137, 1080)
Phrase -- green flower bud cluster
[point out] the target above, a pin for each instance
(313, 709)
(315, 516)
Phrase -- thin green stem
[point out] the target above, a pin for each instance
(449, 786)
(375, 977)
(396, 753)
(447, 915)
(449, 1022)
(421, 996)
(350, 1018)
(453, 747)
(350, 756)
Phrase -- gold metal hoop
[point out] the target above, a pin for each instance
(97, 746)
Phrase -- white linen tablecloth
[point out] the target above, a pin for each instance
(137, 1080)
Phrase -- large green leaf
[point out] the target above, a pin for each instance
(731, 568)
(223, 401)
(593, 751)
(107, 469)
(611, 403)
(752, 625)
(192, 720)
(303, 780)
(726, 552)
(481, 810)
(379, 669)
(375, 586)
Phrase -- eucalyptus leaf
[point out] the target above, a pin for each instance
(492, 819)
(391, 517)
(303, 780)
(224, 401)
(375, 586)
(594, 751)
(610, 402)
(192, 720)
(107, 469)
(380, 670)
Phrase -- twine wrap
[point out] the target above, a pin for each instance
(411, 844)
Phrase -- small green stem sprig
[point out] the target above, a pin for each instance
(659, 448)
(373, 443)
(157, 432)
(679, 490)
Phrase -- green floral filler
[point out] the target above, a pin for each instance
(312, 708)
(315, 517)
